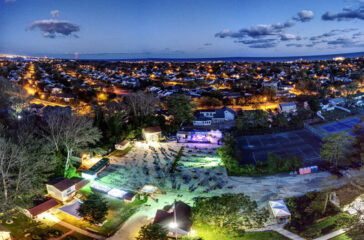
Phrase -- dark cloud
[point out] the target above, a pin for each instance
(55, 14)
(264, 45)
(294, 45)
(310, 45)
(346, 14)
(258, 31)
(357, 35)
(345, 42)
(259, 43)
(304, 16)
(52, 28)
(332, 33)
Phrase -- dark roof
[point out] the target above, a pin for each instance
(79, 182)
(129, 196)
(99, 165)
(123, 143)
(3, 229)
(64, 184)
(43, 207)
(201, 118)
(219, 113)
(183, 215)
(154, 129)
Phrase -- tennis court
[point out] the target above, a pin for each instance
(301, 143)
(342, 125)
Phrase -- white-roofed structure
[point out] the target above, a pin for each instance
(149, 189)
(279, 210)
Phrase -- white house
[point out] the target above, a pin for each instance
(64, 189)
(288, 107)
(4, 233)
(208, 117)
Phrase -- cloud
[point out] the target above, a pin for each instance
(55, 13)
(208, 44)
(259, 43)
(304, 16)
(288, 37)
(294, 45)
(9, 1)
(52, 28)
(346, 14)
(345, 42)
(332, 33)
(258, 31)
(357, 35)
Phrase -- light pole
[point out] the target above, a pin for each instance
(173, 224)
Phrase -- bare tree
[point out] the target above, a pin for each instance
(78, 133)
(141, 103)
(10, 157)
(69, 132)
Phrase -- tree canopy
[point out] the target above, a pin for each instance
(336, 147)
(94, 209)
(181, 107)
(152, 231)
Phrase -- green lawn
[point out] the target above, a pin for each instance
(22, 226)
(120, 153)
(119, 212)
(322, 228)
(208, 233)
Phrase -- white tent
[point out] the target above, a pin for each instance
(279, 209)
(150, 189)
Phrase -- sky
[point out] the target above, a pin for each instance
(181, 28)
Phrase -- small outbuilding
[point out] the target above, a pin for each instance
(152, 134)
(290, 107)
(122, 145)
(64, 189)
(177, 219)
(4, 233)
(280, 210)
(46, 206)
(148, 189)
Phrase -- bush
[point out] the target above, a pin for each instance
(312, 233)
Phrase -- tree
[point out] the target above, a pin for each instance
(336, 147)
(229, 211)
(25, 165)
(228, 154)
(94, 209)
(141, 104)
(358, 144)
(152, 231)
(181, 107)
(69, 132)
(209, 102)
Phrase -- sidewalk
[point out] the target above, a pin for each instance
(287, 234)
(333, 234)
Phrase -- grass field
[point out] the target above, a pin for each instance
(119, 212)
(24, 228)
(209, 233)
